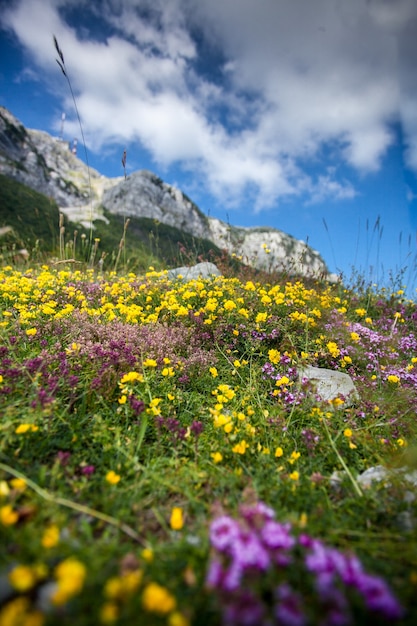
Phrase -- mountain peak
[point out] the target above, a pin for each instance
(48, 165)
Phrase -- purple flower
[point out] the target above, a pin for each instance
(268, 369)
(249, 552)
(197, 428)
(88, 470)
(232, 579)
(223, 532)
(378, 596)
(336, 608)
(63, 457)
(257, 513)
(245, 611)
(215, 574)
(288, 610)
(352, 570)
(136, 405)
(277, 536)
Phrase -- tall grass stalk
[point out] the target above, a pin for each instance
(61, 63)
(121, 244)
(70, 504)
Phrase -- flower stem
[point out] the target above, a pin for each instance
(70, 504)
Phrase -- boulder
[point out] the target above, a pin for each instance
(330, 384)
(201, 270)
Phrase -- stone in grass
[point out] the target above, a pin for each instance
(330, 384)
(201, 270)
(380, 473)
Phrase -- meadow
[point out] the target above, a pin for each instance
(164, 461)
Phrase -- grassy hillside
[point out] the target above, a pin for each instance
(164, 459)
(33, 217)
(148, 240)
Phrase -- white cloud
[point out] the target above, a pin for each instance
(292, 77)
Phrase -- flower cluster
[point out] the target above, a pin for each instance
(262, 573)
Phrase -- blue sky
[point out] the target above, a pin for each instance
(285, 113)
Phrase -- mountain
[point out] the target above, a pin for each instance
(47, 165)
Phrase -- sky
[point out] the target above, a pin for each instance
(295, 114)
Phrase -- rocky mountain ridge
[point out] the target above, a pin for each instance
(47, 164)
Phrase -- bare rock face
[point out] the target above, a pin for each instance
(143, 194)
(47, 165)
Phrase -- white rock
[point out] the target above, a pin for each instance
(201, 270)
(330, 384)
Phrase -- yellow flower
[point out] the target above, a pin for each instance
(213, 372)
(4, 488)
(217, 457)
(261, 317)
(393, 379)
(279, 452)
(360, 312)
(17, 612)
(333, 349)
(157, 599)
(131, 377)
(120, 587)
(8, 517)
(284, 380)
(109, 612)
(122, 399)
(303, 520)
(401, 442)
(50, 537)
(147, 554)
(294, 457)
(295, 475)
(178, 619)
(74, 347)
(229, 305)
(70, 575)
(22, 578)
(18, 483)
(31, 331)
(24, 428)
(112, 477)
(149, 363)
(355, 337)
(274, 356)
(347, 432)
(177, 520)
(240, 448)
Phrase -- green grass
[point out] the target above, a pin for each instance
(126, 399)
(33, 217)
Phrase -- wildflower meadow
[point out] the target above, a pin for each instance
(164, 461)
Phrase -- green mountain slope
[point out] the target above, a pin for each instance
(34, 220)
(33, 217)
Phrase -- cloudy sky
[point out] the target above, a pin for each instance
(297, 114)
